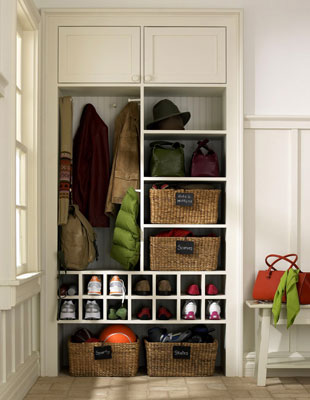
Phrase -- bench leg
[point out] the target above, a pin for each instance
(262, 346)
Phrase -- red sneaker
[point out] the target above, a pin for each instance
(144, 313)
(163, 313)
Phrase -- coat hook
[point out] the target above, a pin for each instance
(114, 105)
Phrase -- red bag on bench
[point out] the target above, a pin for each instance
(267, 281)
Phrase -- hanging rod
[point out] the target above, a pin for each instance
(131, 100)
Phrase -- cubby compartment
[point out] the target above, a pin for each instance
(139, 288)
(214, 310)
(190, 308)
(123, 280)
(191, 285)
(219, 281)
(164, 308)
(162, 287)
(65, 314)
(91, 313)
(152, 231)
(143, 306)
(116, 315)
(97, 284)
(173, 184)
(68, 285)
(206, 105)
(217, 143)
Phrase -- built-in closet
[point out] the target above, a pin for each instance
(107, 58)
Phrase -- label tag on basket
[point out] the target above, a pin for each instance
(102, 353)
(184, 199)
(184, 247)
(182, 352)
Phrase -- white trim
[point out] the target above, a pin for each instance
(20, 382)
(277, 122)
(3, 83)
(28, 13)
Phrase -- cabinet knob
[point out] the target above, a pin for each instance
(148, 78)
(135, 78)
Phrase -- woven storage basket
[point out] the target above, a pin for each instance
(160, 361)
(165, 211)
(163, 256)
(124, 361)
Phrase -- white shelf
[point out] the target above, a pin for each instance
(144, 321)
(183, 179)
(191, 226)
(145, 272)
(181, 133)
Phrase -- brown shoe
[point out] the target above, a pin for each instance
(164, 288)
(142, 288)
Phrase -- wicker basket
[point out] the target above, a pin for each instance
(163, 256)
(123, 362)
(161, 362)
(165, 211)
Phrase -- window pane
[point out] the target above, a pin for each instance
(21, 245)
(18, 117)
(18, 61)
(21, 174)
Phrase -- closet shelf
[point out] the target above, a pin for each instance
(143, 321)
(183, 179)
(189, 226)
(144, 272)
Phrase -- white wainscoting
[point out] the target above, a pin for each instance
(276, 215)
(19, 348)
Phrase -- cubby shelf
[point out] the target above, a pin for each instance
(183, 179)
(191, 226)
(140, 321)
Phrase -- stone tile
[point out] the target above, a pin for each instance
(154, 395)
(210, 393)
(239, 393)
(216, 386)
(178, 394)
(260, 392)
(40, 388)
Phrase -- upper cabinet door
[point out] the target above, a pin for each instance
(99, 54)
(185, 55)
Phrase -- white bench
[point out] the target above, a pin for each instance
(262, 342)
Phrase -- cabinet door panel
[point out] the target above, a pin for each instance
(99, 54)
(188, 54)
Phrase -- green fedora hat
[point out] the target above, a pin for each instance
(165, 109)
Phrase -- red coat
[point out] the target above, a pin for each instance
(91, 167)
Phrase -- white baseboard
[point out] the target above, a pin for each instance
(19, 383)
(249, 364)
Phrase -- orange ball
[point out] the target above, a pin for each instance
(117, 334)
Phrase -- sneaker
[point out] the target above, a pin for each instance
(121, 312)
(117, 287)
(67, 310)
(163, 313)
(92, 310)
(94, 286)
(112, 314)
(144, 313)
(214, 310)
(189, 310)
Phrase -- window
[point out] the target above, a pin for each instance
(26, 145)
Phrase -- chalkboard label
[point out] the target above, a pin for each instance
(182, 352)
(184, 247)
(184, 199)
(103, 353)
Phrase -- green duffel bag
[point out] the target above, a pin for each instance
(167, 159)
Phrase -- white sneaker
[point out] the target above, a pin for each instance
(189, 309)
(92, 310)
(214, 310)
(117, 287)
(67, 310)
(94, 286)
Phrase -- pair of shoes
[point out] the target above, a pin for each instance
(67, 310)
(162, 313)
(92, 310)
(120, 313)
(117, 287)
(189, 309)
(94, 286)
(66, 290)
(194, 290)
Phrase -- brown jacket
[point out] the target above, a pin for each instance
(126, 162)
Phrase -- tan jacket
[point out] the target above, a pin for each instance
(126, 162)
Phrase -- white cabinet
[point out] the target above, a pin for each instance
(99, 54)
(185, 55)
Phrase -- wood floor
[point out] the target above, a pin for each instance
(144, 387)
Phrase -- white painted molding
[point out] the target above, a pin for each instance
(28, 13)
(20, 382)
(277, 122)
(3, 83)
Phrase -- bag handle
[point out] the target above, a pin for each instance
(84, 222)
(279, 258)
(203, 143)
(163, 143)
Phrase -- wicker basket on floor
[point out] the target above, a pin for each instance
(161, 362)
(165, 211)
(163, 256)
(124, 359)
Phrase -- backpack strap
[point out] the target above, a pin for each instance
(89, 229)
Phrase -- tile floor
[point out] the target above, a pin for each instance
(143, 387)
